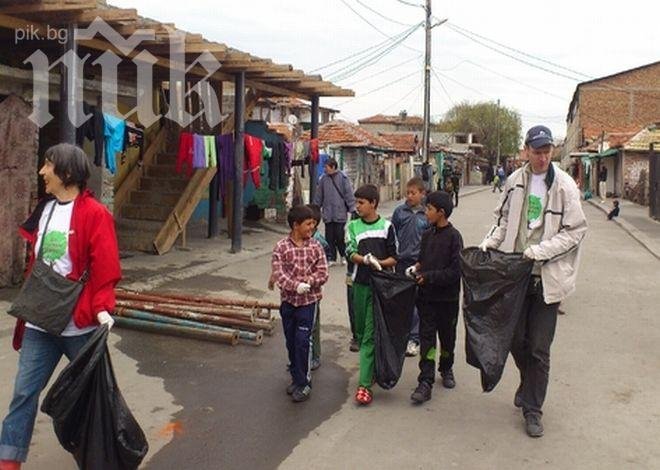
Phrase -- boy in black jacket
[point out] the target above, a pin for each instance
(439, 278)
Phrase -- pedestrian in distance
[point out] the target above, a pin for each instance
(615, 210)
(497, 183)
(334, 194)
(456, 184)
(371, 244)
(539, 215)
(410, 222)
(438, 274)
(74, 234)
(300, 270)
(602, 183)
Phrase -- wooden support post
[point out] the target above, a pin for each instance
(68, 96)
(239, 150)
(314, 135)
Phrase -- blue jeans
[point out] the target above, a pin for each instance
(298, 323)
(38, 358)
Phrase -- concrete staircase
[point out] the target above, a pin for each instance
(147, 208)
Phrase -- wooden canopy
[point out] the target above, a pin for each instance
(262, 75)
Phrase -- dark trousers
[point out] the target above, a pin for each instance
(298, 323)
(436, 318)
(334, 235)
(401, 267)
(531, 347)
(455, 197)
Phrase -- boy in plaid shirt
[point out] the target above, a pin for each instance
(300, 270)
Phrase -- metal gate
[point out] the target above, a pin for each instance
(654, 183)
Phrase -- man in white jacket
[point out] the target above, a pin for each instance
(539, 215)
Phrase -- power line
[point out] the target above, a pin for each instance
(360, 64)
(443, 86)
(381, 15)
(511, 56)
(371, 24)
(410, 4)
(531, 56)
(383, 71)
(390, 38)
(417, 87)
(462, 84)
(379, 88)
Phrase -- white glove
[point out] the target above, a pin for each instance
(371, 260)
(486, 245)
(411, 272)
(529, 253)
(104, 318)
(303, 288)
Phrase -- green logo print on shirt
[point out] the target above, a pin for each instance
(534, 208)
(54, 246)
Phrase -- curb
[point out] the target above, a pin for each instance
(644, 240)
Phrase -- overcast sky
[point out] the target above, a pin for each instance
(594, 38)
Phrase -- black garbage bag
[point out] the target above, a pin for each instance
(494, 288)
(394, 302)
(90, 416)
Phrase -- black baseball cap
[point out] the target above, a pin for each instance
(538, 136)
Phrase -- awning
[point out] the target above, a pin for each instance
(606, 153)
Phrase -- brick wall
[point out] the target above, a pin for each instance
(636, 177)
(626, 102)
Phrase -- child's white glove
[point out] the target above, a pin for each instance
(303, 288)
(411, 272)
(370, 260)
(529, 253)
(486, 245)
(104, 318)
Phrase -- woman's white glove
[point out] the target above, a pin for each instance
(303, 288)
(529, 253)
(105, 319)
(370, 260)
(487, 244)
(411, 272)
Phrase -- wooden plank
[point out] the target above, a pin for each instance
(132, 180)
(110, 15)
(48, 7)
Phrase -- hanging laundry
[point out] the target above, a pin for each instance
(226, 167)
(113, 130)
(210, 151)
(253, 151)
(134, 137)
(184, 156)
(288, 155)
(314, 150)
(92, 129)
(199, 157)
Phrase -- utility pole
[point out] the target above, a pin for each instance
(426, 135)
(497, 119)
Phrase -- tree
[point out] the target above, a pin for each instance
(481, 119)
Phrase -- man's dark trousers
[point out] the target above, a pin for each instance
(298, 323)
(531, 347)
(436, 318)
(334, 235)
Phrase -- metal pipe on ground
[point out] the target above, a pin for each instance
(267, 327)
(209, 310)
(247, 303)
(185, 332)
(255, 337)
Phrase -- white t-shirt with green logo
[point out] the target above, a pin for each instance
(56, 250)
(536, 202)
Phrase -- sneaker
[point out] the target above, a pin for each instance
(422, 393)
(363, 396)
(343, 261)
(517, 399)
(291, 388)
(316, 363)
(331, 263)
(301, 394)
(354, 346)
(412, 349)
(533, 425)
(448, 380)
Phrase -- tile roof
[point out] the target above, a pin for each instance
(396, 119)
(402, 142)
(613, 140)
(347, 134)
(644, 139)
(282, 129)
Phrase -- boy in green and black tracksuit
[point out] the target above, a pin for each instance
(371, 244)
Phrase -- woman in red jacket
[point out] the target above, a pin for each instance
(80, 236)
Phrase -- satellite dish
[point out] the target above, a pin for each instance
(292, 119)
